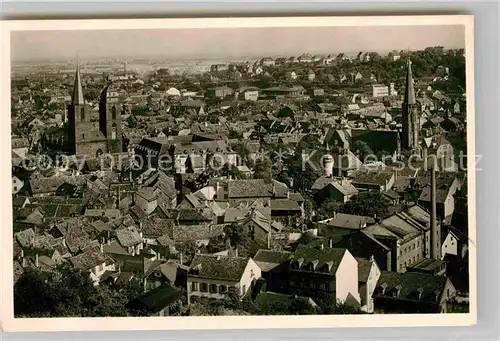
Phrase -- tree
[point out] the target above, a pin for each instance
(188, 248)
(237, 235)
(327, 209)
(367, 204)
(132, 121)
(362, 149)
(67, 292)
(263, 169)
(231, 171)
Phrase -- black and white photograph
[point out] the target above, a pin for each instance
(240, 168)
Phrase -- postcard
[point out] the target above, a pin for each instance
(238, 173)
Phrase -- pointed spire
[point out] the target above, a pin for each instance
(77, 97)
(409, 88)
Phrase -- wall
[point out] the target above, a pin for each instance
(370, 286)
(409, 252)
(450, 245)
(346, 278)
(198, 293)
(252, 273)
(251, 95)
(98, 271)
(146, 206)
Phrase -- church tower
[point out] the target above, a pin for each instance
(78, 118)
(411, 125)
(110, 113)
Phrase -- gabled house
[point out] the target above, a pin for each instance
(216, 276)
(130, 239)
(368, 276)
(317, 270)
(94, 262)
(413, 293)
(274, 266)
(156, 302)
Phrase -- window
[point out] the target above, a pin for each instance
(400, 253)
(251, 273)
(82, 114)
(83, 136)
(322, 286)
(213, 288)
(113, 113)
(203, 287)
(244, 290)
(222, 289)
(113, 131)
(194, 286)
(15, 188)
(418, 243)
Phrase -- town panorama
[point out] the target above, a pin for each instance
(307, 184)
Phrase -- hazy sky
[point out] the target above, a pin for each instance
(233, 42)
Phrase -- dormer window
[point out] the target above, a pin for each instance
(397, 290)
(420, 291)
(384, 287)
(314, 264)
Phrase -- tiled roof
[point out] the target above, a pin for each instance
(269, 259)
(371, 178)
(364, 267)
(196, 232)
(255, 188)
(157, 299)
(218, 267)
(412, 286)
(349, 221)
(92, 257)
(441, 194)
(25, 237)
(128, 236)
(284, 205)
(156, 227)
(325, 260)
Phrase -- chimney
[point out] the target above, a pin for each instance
(236, 252)
(101, 246)
(22, 254)
(331, 243)
(181, 261)
(434, 240)
(36, 260)
(372, 258)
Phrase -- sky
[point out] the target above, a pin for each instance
(229, 42)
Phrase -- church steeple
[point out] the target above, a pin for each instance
(409, 87)
(77, 98)
(411, 124)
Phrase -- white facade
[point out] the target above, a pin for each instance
(218, 289)
(366, 289)
(450, 245)
(17, 184)
(97, 271)
(380, 90)
(251, 95)
(346, 279)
